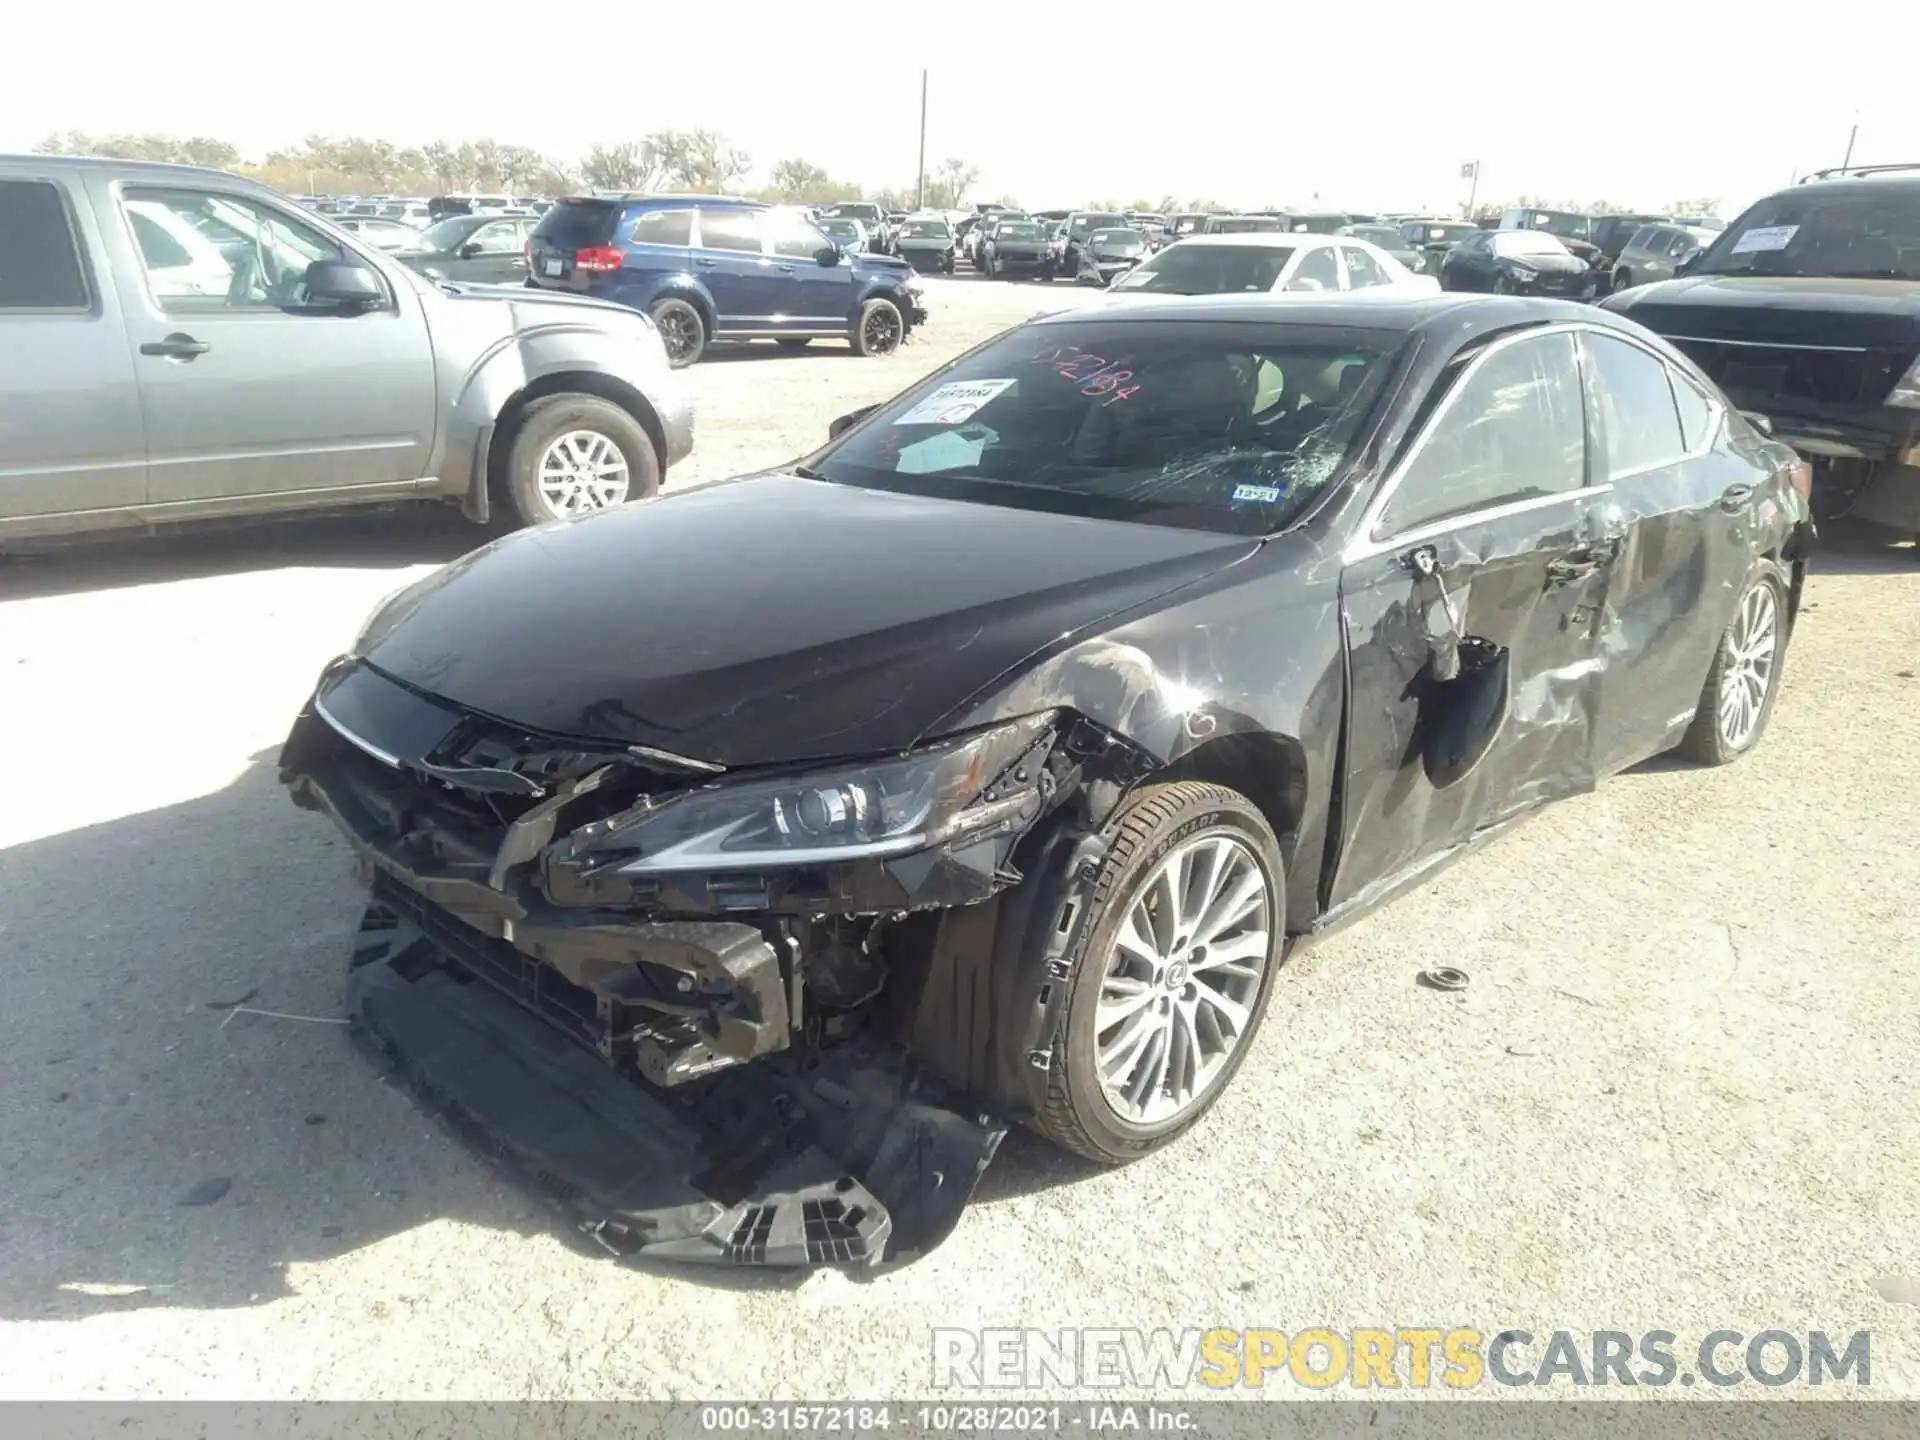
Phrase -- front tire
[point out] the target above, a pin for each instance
(1172, 974)
(880, 328)
(683, 330)
(1744, 680)
(574, 454)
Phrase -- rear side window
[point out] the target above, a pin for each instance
(1696, 411)
(730, 230)
(664, 227)
(39, 261)
(1636, 403)
(577, 224)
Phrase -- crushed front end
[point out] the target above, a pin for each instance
(689, 1003)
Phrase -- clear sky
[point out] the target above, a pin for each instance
(1368, 106)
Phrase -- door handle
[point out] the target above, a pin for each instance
(177, 346)
(1735, 497)
(784, 269)
(705, 264)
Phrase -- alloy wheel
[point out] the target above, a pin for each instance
(679, 332)
(881, 330)
(1178, 993)
(581, 471)
(1753, 643)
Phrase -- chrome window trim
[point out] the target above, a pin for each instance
(1770, 344)
(357, 741)
(1366, 537)
(1364, 549)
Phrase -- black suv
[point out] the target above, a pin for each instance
(1807, 310)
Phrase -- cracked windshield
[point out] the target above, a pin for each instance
(1203, 427)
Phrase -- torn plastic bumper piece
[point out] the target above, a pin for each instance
(846, 1157)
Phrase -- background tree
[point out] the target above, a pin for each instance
(629, 165)
(949, 183)
(801, 182)
(698, 160)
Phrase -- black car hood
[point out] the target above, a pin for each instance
(1548, 264)
(769, 619)
(1779, 309)
(872, 264)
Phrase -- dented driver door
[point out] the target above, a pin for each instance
(1471, 604)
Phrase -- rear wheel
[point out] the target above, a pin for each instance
(1737, 700)
(573, 454)
(1172, 976)
(682, 329)
(880, 328)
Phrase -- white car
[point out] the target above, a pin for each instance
(1264, 263)
(379, 232)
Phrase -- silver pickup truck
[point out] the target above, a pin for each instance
(180, 344)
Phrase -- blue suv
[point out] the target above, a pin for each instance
(707, 267)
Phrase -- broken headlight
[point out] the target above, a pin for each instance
(959, 788)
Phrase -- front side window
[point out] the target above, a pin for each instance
(1515, 430)
(1317, 271)
(204, 252)
(1636, 407)
(1362, 270)
(794, 238)
(39, 260)
(500, 238)
(730, 230)
(1202, 426)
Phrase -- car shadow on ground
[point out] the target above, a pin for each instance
(397, 538)
(189, 1119)
(1846, 547)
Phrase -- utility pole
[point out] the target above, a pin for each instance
(1472, 168)
(920, 190)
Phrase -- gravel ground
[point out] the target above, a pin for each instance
(1679, 1092)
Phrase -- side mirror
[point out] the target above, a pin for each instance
(469, 250)
(1758, 421)
(828, 254)
(843, 423)
(1684, 265)
(341, 282)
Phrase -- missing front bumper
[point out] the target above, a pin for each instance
(845, 1156)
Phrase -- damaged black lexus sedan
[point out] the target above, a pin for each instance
(745, 860)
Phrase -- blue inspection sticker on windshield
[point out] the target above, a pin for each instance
(1266, 494)
(954, 403)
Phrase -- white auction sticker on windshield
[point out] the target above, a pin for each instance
(1765, 237)
(954, 403)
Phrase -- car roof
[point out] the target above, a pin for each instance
(1475, 315)
(149, 169)
(1290, 239)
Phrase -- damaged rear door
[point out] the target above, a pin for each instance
(1471, 602)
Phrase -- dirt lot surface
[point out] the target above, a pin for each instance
(1679, 1092)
